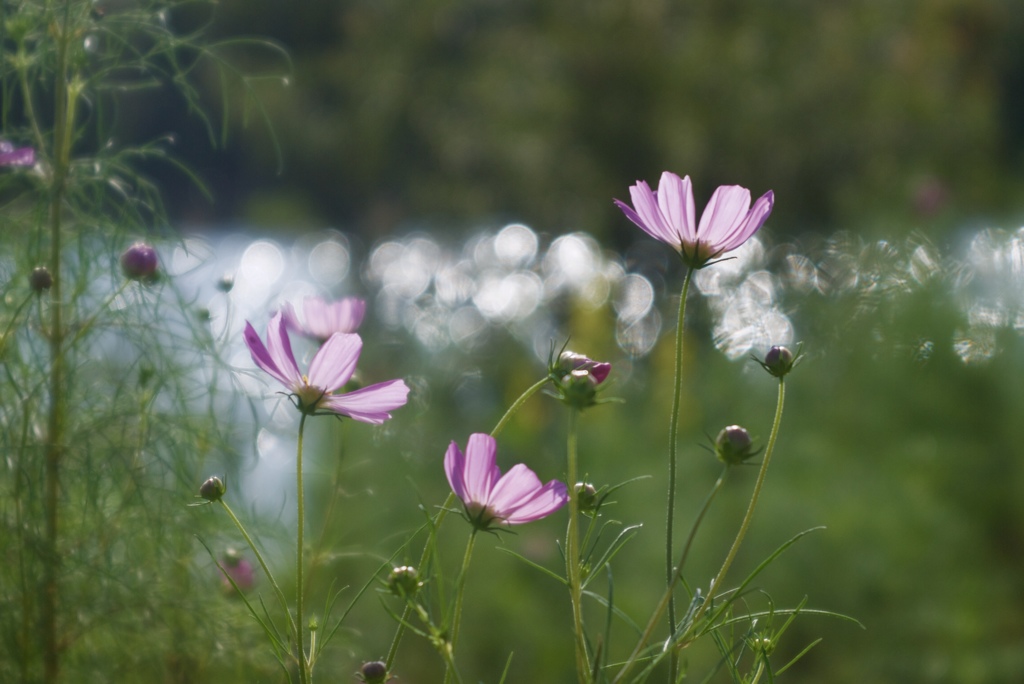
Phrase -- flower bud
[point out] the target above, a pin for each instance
(226, 282)
(586, 495)
(374, 672)
(40, 279)
(577, 389)
(576, 378)
(139, 262)
(571, 362)
(733, 445)
(404, 581)
(213, 489)
(779, 361)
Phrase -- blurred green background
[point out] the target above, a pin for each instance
(882, 126)
(455, 111)
(899, 120)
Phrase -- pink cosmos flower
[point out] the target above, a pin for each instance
(668, 215)
(16, 156)
(239, 569)
(492, 498)
(323, 318)
(332, 366)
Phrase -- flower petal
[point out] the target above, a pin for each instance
(369, 404)
(335, 362)
(600, 371)
(545, 501)
(454, 468)
(726, 208)
(513, 490)
(262, 358)
(279, 347)
(646, 204)
(753, 221)
(675, 198)
(519, 496)
(290, 318)
(481, 471)
(647, 214)
(323, 318)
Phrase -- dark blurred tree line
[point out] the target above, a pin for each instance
(453, 112)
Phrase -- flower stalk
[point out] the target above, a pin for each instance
(300, 627)
(443, 512)
(450, 673)
(673, 455)
(65, 98)
(263, 563)
(745, 524)
(572, 553)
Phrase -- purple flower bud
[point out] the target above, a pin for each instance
(40, 279)
(733, 445)
(139, 262)
(213, 489)
(779, 361)
(576, 379)
(374, 672)
(569, 362)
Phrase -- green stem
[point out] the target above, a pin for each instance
(673, 449)
(456, 616)
(666, 597)
(518, 404)
(64, 103)
(745, 525)
(299, 626)
(263, 563)
(441, 514)
(572, 553)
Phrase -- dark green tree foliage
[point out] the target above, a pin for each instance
(530, 110)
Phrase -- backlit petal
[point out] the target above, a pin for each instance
(753, 221)
(726, 208)
(454, 468)
(675, 198)
(542, 503)
(481, 471)
(261, 357)
(371, 404)
(335, 362)
(280, 349)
